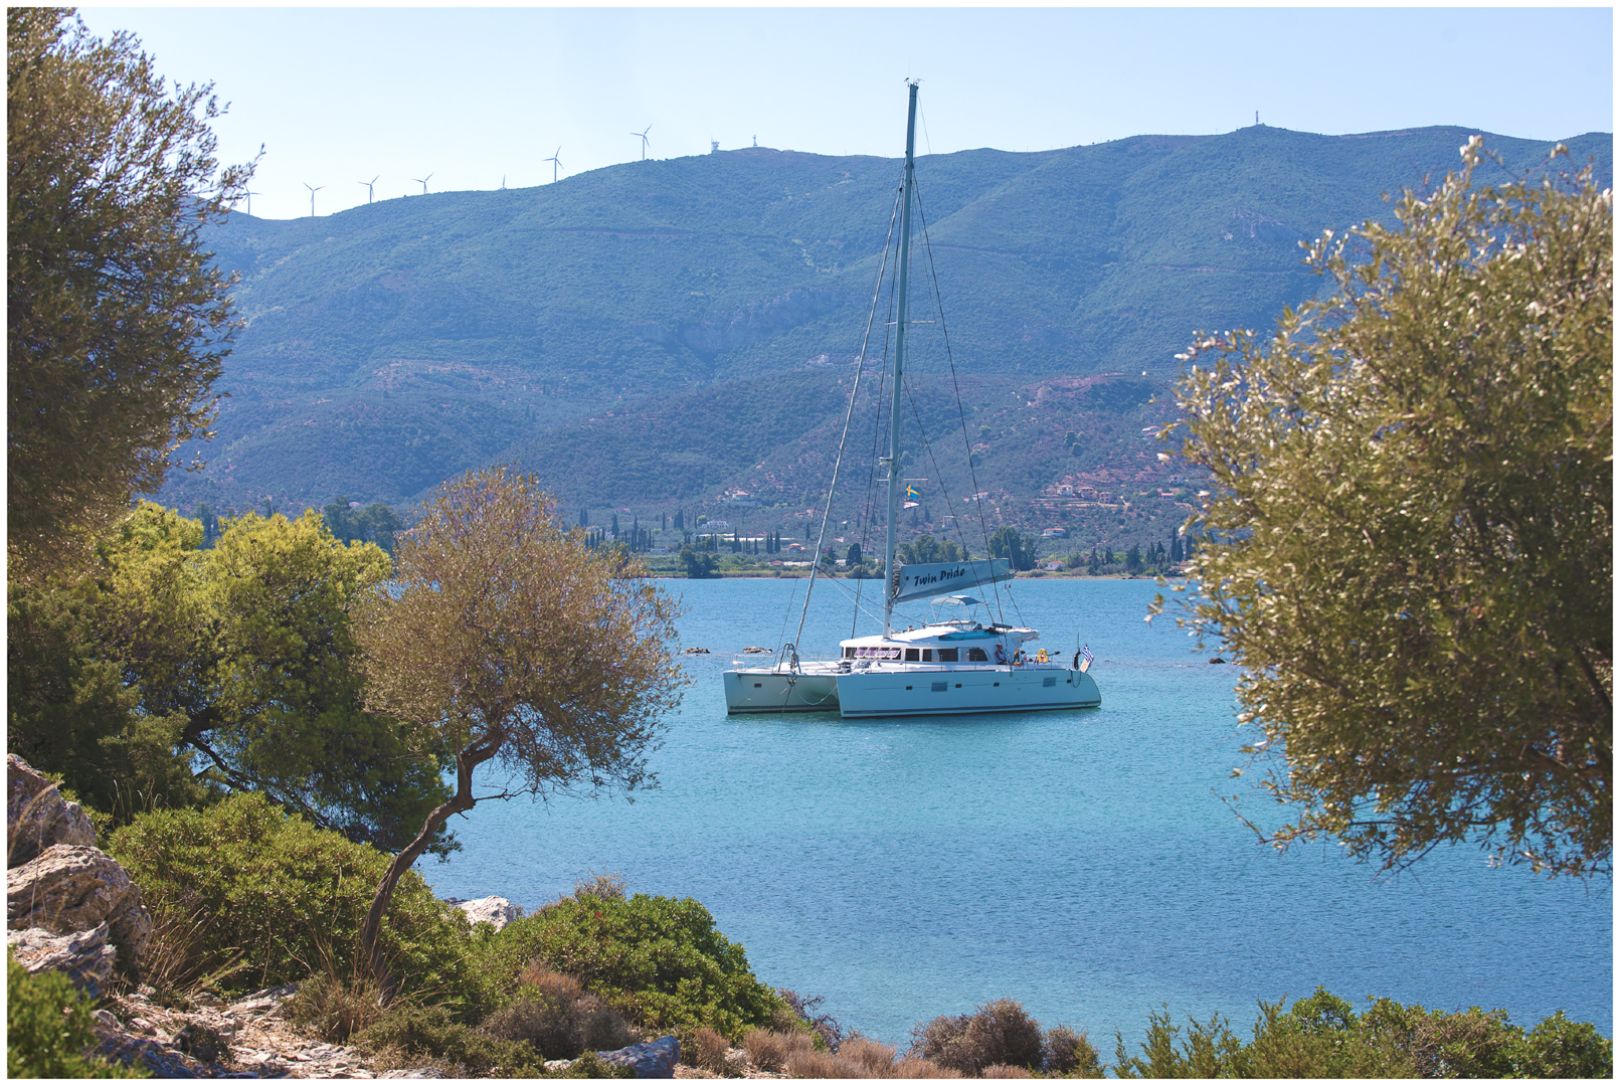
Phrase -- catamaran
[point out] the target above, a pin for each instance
(957, 663)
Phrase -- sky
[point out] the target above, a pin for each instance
(474, 98)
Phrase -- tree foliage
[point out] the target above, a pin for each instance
(116, 317)
(166, 672)
(1410, 545)
(506, 639)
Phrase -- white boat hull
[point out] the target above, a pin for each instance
(878, 692)
(768, 691)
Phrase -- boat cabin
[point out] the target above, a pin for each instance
(953, 637)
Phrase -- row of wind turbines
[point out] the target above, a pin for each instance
(371, 185)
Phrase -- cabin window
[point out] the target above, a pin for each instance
(977, 655)
(1050, 680)
(912, 654)
(948, 656)
(849, 652)
(928, 655)
(938, 686)
(892, 654)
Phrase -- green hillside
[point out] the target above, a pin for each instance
(656, 334)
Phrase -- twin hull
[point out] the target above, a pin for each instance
(882, 692)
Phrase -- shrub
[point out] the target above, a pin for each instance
(803, 1013)
(658, 959)
(1000, 1033)
(1070, 1053)
(916, 1068)
(414, 1032)
(705, 1048)
(333, 1008)
(1201, 1053)
(872, 1058)
(1560, 1047)
(769, 1050)
(555, 1015)
(294, 897)
(811, 1062)
(49, 1030)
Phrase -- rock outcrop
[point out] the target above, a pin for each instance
(650, 1059)
(37, 816)
(86, 957)
(69, 907)
(68, 889)
(495, 910)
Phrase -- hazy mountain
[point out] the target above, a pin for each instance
(661, 332)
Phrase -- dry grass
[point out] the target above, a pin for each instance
(334, 1008)
(873, 1058)
(1005, 1072)
(916, 1068)
(794, 1053)
(768, 1050)
(706, 1049)
(176, 958)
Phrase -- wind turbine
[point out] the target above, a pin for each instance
(555, 164)
(250, 195)
(423, 181)
(312, 191)
(369, 185)
(642, 135)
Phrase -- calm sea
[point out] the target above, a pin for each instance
(1084, 864)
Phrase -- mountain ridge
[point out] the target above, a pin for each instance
(389, 346)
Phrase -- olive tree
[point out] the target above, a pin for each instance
(1408, 545)
(504, 639)
(116, 319)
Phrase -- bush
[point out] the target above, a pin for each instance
(1000, 1033)
(333, 1008)
(705, 1048)
(49, 1030)
(872, 1058)
(658, 959)
(1070, 1053)
(1558, 1047)
(769, 1050)
(803, 1013)
(415, 1032)
(293, 898)
(556, 1016)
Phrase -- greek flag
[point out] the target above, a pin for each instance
(1085, 657)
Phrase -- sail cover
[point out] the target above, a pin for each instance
(920, 580)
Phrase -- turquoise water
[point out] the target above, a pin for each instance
(1082, 863)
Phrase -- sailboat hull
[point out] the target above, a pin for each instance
(889, 693)
(886, 692)
(768, 691)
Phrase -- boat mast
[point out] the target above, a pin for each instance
(902, 276)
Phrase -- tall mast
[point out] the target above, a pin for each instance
(902, 276)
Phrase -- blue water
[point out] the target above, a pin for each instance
(1083, 864)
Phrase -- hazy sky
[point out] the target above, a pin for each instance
(338, 96)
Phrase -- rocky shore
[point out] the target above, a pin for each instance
(71, 908)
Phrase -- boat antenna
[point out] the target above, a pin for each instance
(902, 276)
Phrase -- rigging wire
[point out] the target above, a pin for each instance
(869, 511)
(967, 446)
(838, 463)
